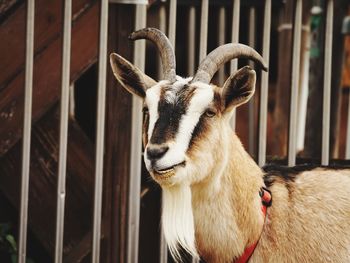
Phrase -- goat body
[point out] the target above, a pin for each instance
(307, 222)
(210, 184)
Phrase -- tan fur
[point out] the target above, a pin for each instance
(219, 203)
(309, 222)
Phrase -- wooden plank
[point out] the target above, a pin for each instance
(117, 158)
(43, 186)
(118, 129)
(313, 136)
(281, 111)
(345, 81)
(6, 5)
(342, 8)
(48, 26)
(47, 74)
(81, 250)
(283, 89)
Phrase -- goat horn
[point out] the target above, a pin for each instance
(164, 46)
(222, 54)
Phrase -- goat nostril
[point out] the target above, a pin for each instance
(157, 152)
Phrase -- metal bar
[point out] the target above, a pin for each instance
(191, 41)
(100, 131)
(221, 40)
(304, 93)
(251, 103)
(295, 84)
(62, 160)
(204, 30)
(264, 84)
(235, 30)
(327, 83)
(172, 38)
(162, 27)
(163, 250)
(136, 147)
(234, 39)
(22, 246)
(134, 2)
(172, 22)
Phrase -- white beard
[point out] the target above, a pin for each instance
(177, 220)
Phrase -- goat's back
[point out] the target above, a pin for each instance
(309, 220)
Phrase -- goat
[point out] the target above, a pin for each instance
(212, 188)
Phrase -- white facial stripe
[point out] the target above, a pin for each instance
(152, 100)
(203, 95)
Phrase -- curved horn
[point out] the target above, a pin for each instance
(164, 46)
(213, 61)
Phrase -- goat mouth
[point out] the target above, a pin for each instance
(168, 171)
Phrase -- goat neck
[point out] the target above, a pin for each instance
(227, 207)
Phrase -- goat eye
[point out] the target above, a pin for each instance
(210, 113)
(145, 110)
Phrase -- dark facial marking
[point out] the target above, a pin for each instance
(198, 130)
(145, 126)
(170, 114)
(217, 103)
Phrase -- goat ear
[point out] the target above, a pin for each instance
(238, 88)
(129, 76)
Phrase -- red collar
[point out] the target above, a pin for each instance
(266, 200)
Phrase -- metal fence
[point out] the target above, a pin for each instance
(61, 187)
(135, 170)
